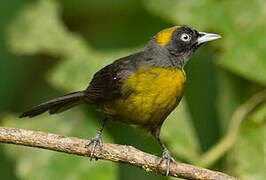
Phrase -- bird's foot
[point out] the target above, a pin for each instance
(166, 156)
(97, 140)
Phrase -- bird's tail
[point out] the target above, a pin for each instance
(56, 105)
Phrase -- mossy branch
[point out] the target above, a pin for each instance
(111, 152)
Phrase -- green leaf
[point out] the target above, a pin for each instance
(232, 92)
(246, 159)
(259, 116)
(243, 44)
(33, 163)
(38, 29)
(178, 132)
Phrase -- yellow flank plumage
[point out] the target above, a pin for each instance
(149, 96)
(164, 36)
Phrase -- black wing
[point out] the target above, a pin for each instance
(106, 83)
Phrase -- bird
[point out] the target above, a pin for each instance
(141, 89)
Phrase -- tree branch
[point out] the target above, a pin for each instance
(111, 152)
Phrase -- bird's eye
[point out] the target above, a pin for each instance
(185, 37)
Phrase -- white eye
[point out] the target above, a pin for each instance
(185, 37)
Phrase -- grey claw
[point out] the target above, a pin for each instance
(97, 140)
(160, 161)
(101, 142)
(166, 156)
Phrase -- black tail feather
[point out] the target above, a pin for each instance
(56, 105)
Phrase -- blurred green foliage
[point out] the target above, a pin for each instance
(51, 47)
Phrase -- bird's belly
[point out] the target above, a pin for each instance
(149, 96)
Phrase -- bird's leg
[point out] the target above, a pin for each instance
(166, 154)
(97, 140)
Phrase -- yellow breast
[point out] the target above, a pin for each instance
(149, 95)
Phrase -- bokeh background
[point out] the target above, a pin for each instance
(49, 48)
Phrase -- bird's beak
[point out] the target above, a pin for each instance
(204, 37)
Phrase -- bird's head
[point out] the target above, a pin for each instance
(182, 41)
